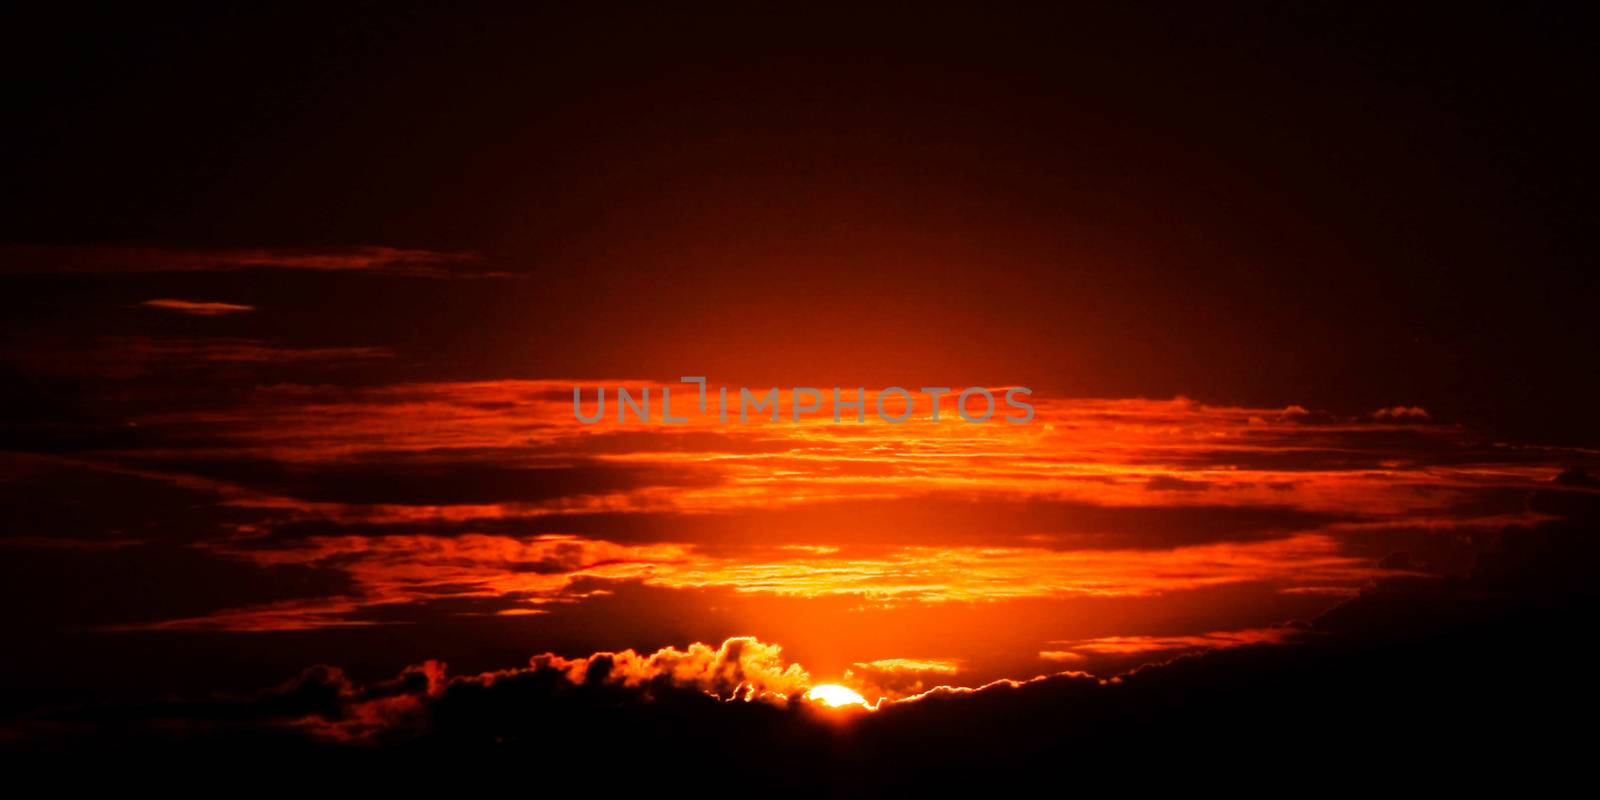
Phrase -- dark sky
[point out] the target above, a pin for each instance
(1268, 204)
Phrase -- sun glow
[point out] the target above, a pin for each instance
(833, 695)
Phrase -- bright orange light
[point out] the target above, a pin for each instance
(833, 695)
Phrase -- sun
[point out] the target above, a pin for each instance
(833, 695)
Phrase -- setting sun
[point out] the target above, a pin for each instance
(833, 695)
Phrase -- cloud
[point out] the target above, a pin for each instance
(486, 497)
(408, 573)
(1064, 657)
(1401, 414)
(325, 704)
(472, 478)
(197, 308)
(1109, 655)
(119, 358)
(1407, 650)
(898, 678)
(1167, 483)
(740, 668)
(67, 260)
(1124, 645)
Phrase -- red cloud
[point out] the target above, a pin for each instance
(197, 308)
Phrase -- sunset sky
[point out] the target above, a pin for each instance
(295, 304)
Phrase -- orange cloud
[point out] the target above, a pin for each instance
(897, 678)
(491, 491)
(1077, 652)
(740, 668)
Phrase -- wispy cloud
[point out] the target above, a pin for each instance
(125, 357)
(490, 490)
(55, 260)
(1078, 650)
(197, 308)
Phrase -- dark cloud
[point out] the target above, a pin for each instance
(43, 498)
(1348, 448)
(75, 588)
(467, 477)
(937, 519)
(668, 441)
(1167, 483)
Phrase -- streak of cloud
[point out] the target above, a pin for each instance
(88, 259)
(197, 308)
